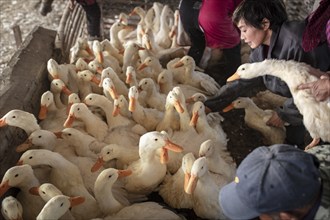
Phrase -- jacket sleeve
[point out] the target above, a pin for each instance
(232, 91)
(289, 113)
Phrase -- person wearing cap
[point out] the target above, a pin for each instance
(265, 28)
(280, 182)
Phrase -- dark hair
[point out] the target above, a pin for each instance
(254, 11)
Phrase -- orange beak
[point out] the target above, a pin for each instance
(4, 187)
(43, 112)
(115, 111)
(131, 106)
(124, 173)
(178, 107)
(191, 186)
(34, 191)
(178, 64)
(3, 122)
(69, 121)
(74, 201)
(142, 66)
(228, 108)
(194, 119)
(24, 146)
(98, 164)
(235, 76)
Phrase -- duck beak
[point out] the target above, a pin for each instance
(131, 106)
(142, 66)
(4, 187)
(89, 51)
(34, 191)
(99, 70)
(115, 111)
(228, 108)
(69, 121)
(124, 173)
(190, 100)
(172, 146)
(96, 80)
(3, 122)
(164, 156)
(194, 119)
(19, 163)
(58, 134)
(68, 108)
(100, 57)
(43, 112)
(98, 164)
(113, 93)
(191, 184)
(235, 76)
(186, 180)
(128, 79)
(74, 201)
(178, 107)
(66, 90)
(24, 146)
(178, 64)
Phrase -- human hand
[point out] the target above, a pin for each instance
(275, 121)
(320, 88)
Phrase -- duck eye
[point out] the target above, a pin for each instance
(16, 175)
(243, 68)
(43, 192)
(78, 109)
(69, 134)
(61, 204)
(30, 157)
(108, 152)
(39, 136)
(156, 139)
(145, 83)
(110, 176)
(14, 116)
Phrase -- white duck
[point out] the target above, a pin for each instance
(58, 206)
(21, 119)
(197, 79)
(256, 118)
(201, 185)
(93, 124)
(82, 50)
(172, 188)
(315, 114)
(155, 99)
(103, 190)
(123, 155)
(51, 116)
(66, 177)
(162, 37)
(114, 39)
(108, 48)
(154, 65)
(117, 210)
(47, 191)
(166, 83)
(120, 106)
(149, 171)
(105, 59)
(131, 55)
(147, 117)
(131, 76)
(107, 106)
(60, 92)
(218, 161)
(120, 85)
(208, 128)
(65, 72)
(81, 65)
(22, 177)
(11, 208)
(170, 121)
(89, 83)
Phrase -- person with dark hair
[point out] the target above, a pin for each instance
(222, 37)
(189, 11)
(93, 15)
(264, 27)
(280, 182)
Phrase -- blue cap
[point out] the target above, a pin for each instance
(271, 179)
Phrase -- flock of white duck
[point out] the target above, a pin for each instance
(116, 126)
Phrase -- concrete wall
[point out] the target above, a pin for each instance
(21, 87)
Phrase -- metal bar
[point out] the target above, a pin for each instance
(17, 35)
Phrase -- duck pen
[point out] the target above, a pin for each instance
(26, 78)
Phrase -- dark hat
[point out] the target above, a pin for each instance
(271, 179)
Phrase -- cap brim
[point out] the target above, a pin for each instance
(232, 206)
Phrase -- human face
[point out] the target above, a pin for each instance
(254, 37)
